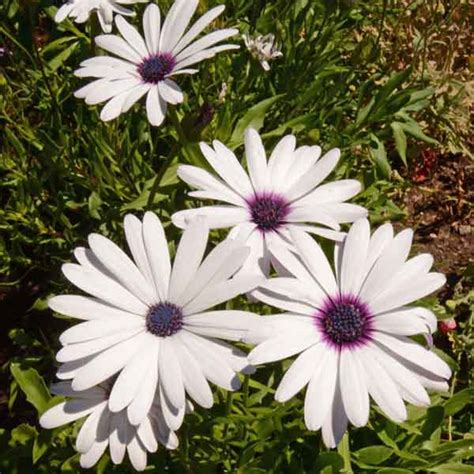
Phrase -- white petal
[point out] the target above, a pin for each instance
(142, 403)
(283, 302)
(345, 212)
(379, 241)
(211, 186)
(197, 27)
(297, 291)
(173, 417)
(134, 235)
(83, 349)
(220, 292)
(335, 424)
(113, 108)
(411, 388)
(217, 217)
(155, 107)
(83, 307)
(283, 346)
(170, 92)
(130, 380)
(315, 260)
(137, 454)
(188, 258)
(320, 392)
(123, 269)
(232, 325)
(103, 287)
(387, 265)
(337, 191)
(353, 387)
(147, 436)
(134, 95)
(193, 378)
(280, 161)
(205, 54)
(215, 368)
(156, 247)
(312, 214)
(176, 22)
(408, 293)
(299, 373)
(118, 46)
(88, 432)
(67, 412)
(205, 42)
(120, 436)
(414, 353)
(290, 262)
(382, 388)
(151, 27)
(317, 174)
(356, 248)
(90, 458)
(404, 323)
(256, 160)
(108, 363)
(99, 328)
(63, 12)
(132, 36)
(228, 168)
(109, 89)
(221, 263)
(303, 161)
(170, 373)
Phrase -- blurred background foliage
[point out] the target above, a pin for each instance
(387, 81)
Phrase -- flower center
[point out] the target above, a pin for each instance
(268, 211)
(155, 68)
(345, 321)
(164, 319)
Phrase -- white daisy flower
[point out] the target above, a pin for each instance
(351, 330)
(274, 197)
(151, 323)
(80, 11)
(146, 65)
(263, 48)
(104, 428)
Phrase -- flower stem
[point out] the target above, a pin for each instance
(343, 448)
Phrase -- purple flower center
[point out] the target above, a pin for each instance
(155, 68)
(345, 321)
(268, 211)
(164, 319)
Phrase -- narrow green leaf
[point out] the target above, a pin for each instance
(400, 140)
(32, 385)
(254, 117)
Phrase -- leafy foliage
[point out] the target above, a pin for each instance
(64, 174)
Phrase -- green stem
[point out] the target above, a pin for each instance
(246, 390)
(228, 409)
(343, 448)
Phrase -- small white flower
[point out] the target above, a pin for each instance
(104, 428)
(274, 197)
(149, 322)
(262, 48)
(351, 329)
(80, 10)
(146, 65)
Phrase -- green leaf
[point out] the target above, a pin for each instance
(254, 117)
(453, 468)
(22, 434)
(95, 203)
(32, 385)
(400, 140)
(373, 454)
(329, 463)
(380, 156)
(458, 401)
(394, 470)
(41, 444)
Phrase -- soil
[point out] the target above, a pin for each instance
(440, 209)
